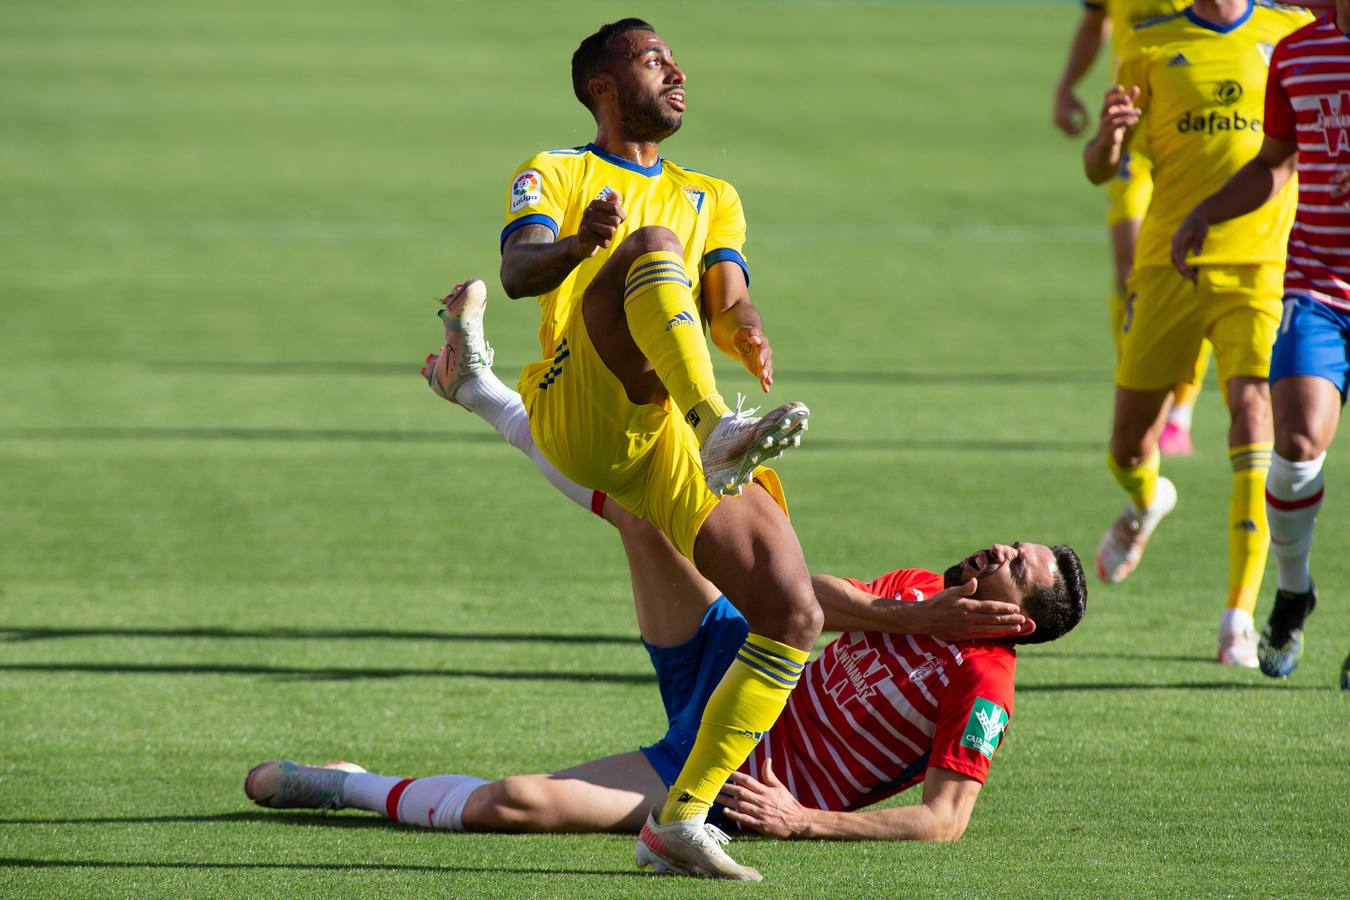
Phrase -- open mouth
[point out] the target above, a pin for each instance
(676, 99)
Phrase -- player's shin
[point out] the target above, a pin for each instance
(747, 702)
(1140, 481)
(1293, 497)
(668, 328)
(1248, 533)
(435, 802)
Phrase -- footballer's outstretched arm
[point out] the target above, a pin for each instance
(952, 615)
(734, 323)
(1250, 188)
(768, 807)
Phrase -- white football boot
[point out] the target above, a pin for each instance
(1123, 545)
(689, 847)
(1237, 640)
(741, 442)
(282, 784)
(466, 350)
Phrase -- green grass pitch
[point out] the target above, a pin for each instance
(234, 525)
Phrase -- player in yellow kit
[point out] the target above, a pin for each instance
(630, 256)
(1129, 190)
(1197, 78)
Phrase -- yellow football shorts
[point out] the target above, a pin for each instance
(643, 456)
(1166, 317)
(1129, 190)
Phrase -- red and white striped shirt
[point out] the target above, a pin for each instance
(874, 711)
(1308, 102)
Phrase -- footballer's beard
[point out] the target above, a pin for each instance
(646, 120)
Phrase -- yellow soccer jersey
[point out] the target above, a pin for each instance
(1202, 87)
(553, 188)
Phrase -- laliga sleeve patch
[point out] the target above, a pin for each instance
(984, 728)
(526, 190)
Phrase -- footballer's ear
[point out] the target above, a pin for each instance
(601, 86)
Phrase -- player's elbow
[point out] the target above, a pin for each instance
(513, 285)
(946, 825)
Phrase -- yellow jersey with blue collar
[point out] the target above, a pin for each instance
(1202, 88)
(553, 188)
(1126, 14)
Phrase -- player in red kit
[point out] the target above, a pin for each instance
(1307, 131)
(874, 714)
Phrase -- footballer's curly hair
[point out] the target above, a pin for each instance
(592, 57)
(1058, 608)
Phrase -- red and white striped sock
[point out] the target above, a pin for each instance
(434, 802)
(1293, 497)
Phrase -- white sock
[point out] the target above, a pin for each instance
(1180, 415)
(503, 409)
(366, 790)
(1293, 497)
(1235, 620)
(435, 802)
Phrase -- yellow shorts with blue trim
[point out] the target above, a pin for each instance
(1129, 190)
(643, 456)
(1166, 317)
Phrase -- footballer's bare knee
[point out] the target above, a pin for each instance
(650, 239)
(515, 803)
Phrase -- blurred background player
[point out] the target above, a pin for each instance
(1307, 132)
(630, 255)
(1197, 78)
(1129, 190)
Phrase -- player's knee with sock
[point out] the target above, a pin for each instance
(1248, 534)
(666, 325)
(746, 703)
(1293, 497)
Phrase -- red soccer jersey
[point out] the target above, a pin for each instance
(1308, 102)
(874, 711)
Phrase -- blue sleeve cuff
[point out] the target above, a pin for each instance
(727, 255)
(533, 219)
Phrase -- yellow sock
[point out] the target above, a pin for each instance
(1140, 482)
(745, 705)
(668, 329)
(1184, 394)
(1248, 534)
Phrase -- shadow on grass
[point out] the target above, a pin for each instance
(254, 815)
(869, 377)
(1068, 654)
(1170, 686)
(16, 863)
(40, 633)
(409, 436)
(333, 674)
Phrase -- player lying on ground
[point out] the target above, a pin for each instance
(1310, 365)
(878, 713)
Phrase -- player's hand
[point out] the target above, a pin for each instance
(755, 353)
(956, 615)
(1070, 115)
(1119, 114)
(1189, 240)
(1340, 186)
(764, 806)
(599, 222)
